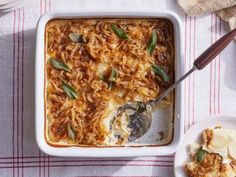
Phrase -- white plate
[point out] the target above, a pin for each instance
(194, 135)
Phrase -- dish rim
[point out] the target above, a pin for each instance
(107, 151)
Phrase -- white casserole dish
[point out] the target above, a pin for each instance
(107, 151)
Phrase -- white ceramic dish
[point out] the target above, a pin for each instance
(194, 135)
(107, 151)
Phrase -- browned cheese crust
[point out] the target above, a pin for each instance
(102, 52)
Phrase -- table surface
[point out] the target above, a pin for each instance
(207, 92)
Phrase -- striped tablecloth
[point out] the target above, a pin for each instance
(209, 92)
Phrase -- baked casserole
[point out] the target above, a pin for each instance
(93, 66)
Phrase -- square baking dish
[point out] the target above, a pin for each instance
(119, 151)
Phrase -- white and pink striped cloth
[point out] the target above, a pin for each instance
(208, 92)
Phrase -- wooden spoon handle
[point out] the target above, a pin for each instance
(209, 54)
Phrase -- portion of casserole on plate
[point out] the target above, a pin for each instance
(216, 157)
(93, 66)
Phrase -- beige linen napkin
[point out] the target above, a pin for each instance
(228, 15)
(225, 9)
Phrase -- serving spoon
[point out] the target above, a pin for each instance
(139, 113)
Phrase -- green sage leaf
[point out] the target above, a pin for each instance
(58, 64)
(158, 70)
(152, 42)
(113, 75)
(110, 85)
(78, 38)
(119, 32)
(200, 154)
(71, 132)
(69, 90)
(112, 78)
(102, 77)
